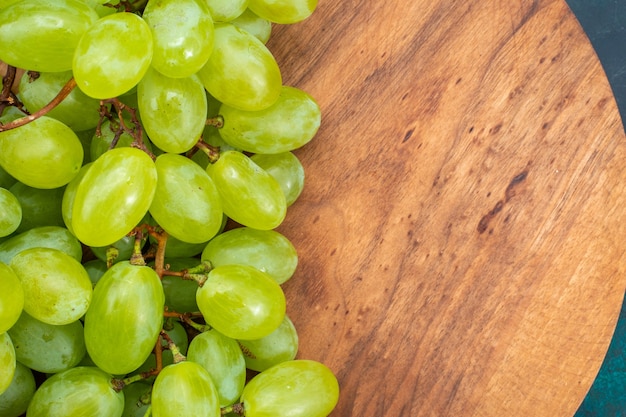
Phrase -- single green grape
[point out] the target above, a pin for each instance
(43, 153)
(186, 204)
(184, 389)
(67, 202)
(223, 359)
(183, 35)
(266, 250)
(80, 391)
(241, 302)
(124, 318)
(113, 196)
(56, 286)
(283, 11)
(14, 401)
(226, 10)
(7, 361)
(112, 55)
(45, 347)
(288, 124)
(78, 111)
(44, 237)
(42, 35)
(298, 388)
(253, 23)
(11, 298)
(250, 195)
(286, 169)
(173, 110)
(241, 71)
(40, 207)
(279, 346)
(11, 214)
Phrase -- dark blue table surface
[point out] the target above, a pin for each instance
(604, 21)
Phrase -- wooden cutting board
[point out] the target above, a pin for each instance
(463, 226)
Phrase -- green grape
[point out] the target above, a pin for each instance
(41, 237)
(288, 124)
(11, 298)
(241, 302)
(43, 153)
(5, 3)
(226, 10)
(67, 202)
(283, 11)
(180, 294)
(102, 143)
(183, 35)
(173, 110)
(77, 111)
(279, 346)
(45, 347)
(256, 25)
(298, 388)
(11, 214)
(7, 361)
(250, 195)
(125, 317)
(136, 399)
(78, 392)
(112, 55)
(113, 196)
(14, 401)
(57, 289)
(266, 250)
(241, 71)
(286, 169)
(186, 204)
(40, 207)
(42, 35)
(222, 358)
(95, 269)
(6, 180)
(184, 389)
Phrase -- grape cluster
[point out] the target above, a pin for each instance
(145, 163)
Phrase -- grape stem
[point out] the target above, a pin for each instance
(7, 96)
(136, 132)
(236, 408)
(176, 353)
(211, 151)
(65, 91)
(197, 273)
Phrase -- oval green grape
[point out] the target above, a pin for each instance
(287, 169)
(11, 298)
(283, 11)
(279, 346)
(14, 401)
(11, 214)
(7, 361)
(41, 237)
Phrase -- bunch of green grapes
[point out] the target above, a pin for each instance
(146, 159)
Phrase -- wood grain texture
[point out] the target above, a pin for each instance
(461, 233)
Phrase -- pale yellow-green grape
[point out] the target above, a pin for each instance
(112, 55)
(11, 298)
(279, 346)
(286, 168)
(266, 250)
(14, 401)
(283, 11)
(250, 195)
(56, 286)
(5, 3)
(173, 110)
(77, 111)
(7, 361)
(288, 124)
(40, 207)
(44, 153)
(67, 202)
(81, 391)
(182, 31)
(113, 196)
(186, 203)
(41, 237)
(45, 347)
(184, 389)
(305, 388)
(226, 10)
(223, 359)
(11, 214)
(256, 25)
(241, 71)
(125, 317)
(241, 302)
(42, 35)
